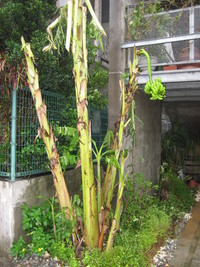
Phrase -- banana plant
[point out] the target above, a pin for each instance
(119, 205)
(74, 16)
(99, 155)
(128, 90)
(127, 96)
(46, 133)
(154, 88)
(97, 215)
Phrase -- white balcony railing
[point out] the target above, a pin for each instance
(179, 43)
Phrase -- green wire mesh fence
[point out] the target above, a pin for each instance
(30, 155)
(5, 132)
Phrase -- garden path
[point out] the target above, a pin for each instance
(187, 253)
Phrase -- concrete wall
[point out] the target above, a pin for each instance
(115, 60)
(14, 194)
(147, 149)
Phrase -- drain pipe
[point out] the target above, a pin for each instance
(13, 134)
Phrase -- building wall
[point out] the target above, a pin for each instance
(147, 149)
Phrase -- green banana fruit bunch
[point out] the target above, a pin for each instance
(155, 89)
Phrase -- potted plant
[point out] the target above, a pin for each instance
(170, 67)
(185, 56)
(175, 146)
(193, 183)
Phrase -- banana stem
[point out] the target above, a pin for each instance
(143, 52)
(99, 183)
(127, 92)
(46, 133)
(118, 210)
(117, 147)
(79, 51)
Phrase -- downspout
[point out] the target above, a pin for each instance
(13, 134)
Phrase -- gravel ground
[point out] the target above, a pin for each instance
(166, 253)
(36, 261)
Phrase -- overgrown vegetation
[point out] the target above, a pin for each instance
(31, 19)
(48, 230)
(97, 210)
(56, 75)
(145, 219)
(175, 146)
(175, 191)
(100, 224)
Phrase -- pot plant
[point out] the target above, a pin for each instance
(185, 56)
(175, 146)
(193, 184)
(145, 23)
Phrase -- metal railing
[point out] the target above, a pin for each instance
(178, 43)
(21, 154)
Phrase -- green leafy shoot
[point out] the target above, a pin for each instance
(69, 151)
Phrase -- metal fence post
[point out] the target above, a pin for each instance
(13, 134)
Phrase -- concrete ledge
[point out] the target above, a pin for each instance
(14, 194)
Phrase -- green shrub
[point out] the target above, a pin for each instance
(184, 195)
(63, 253)
(119, 256)
(155, 225)
(179, 197)
(142, 224)
(131, 245)
(137, 200)
(19, 248)
(48, 230)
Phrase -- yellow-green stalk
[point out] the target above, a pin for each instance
(46, 133)
(127, 92)
(75, 18)
(118, 210)
(79, 50)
